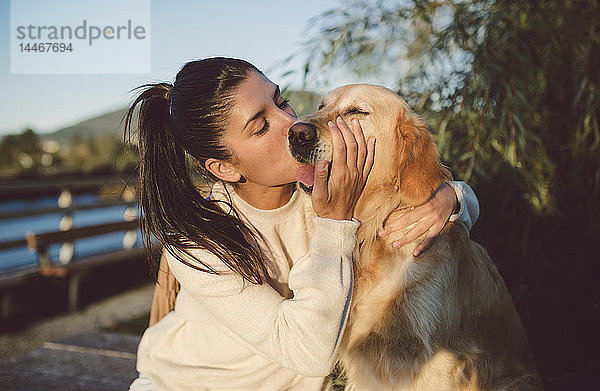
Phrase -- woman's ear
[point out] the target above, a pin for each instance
(223, 170)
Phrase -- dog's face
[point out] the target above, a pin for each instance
(309, 138)
(405, 153)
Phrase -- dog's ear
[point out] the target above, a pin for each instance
(420, 170)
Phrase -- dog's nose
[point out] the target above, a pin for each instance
(302, 133)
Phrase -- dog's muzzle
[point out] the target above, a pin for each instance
(302, 137)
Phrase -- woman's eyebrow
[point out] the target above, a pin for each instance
(262, 112)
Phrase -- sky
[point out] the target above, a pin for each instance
(262, 32)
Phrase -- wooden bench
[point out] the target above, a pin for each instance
(76, 268)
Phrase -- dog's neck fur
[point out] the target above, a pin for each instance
(397, 191)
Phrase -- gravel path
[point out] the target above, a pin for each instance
(122, 307)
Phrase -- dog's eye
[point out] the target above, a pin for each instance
(320, 106)
(356, 110)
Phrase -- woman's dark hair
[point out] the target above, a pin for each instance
(189, 117)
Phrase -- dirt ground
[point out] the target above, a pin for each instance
(100, 315)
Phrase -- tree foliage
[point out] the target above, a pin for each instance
(23, 154)
(511, 90)
(12, 145)
(502, 82)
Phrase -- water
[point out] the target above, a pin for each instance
(16, 228)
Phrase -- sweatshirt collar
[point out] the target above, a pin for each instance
(220, 191)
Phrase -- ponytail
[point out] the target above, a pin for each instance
(172, 208)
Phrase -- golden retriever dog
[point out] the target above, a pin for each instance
(441, 321)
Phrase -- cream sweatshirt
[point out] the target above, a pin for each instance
(227, 334)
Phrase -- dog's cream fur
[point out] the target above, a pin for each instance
(443, 320)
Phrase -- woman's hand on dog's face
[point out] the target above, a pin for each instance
(336, 193)
(429, 218)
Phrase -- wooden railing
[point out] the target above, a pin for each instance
(75, 269)
(65, 210)
(51, 186)
(66, 266)
(40, 242)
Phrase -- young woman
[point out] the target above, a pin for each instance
(265, 270)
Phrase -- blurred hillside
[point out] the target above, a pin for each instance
(93, 146)
(90, 128)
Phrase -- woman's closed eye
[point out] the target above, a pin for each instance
(262, 130)
(282, 106)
